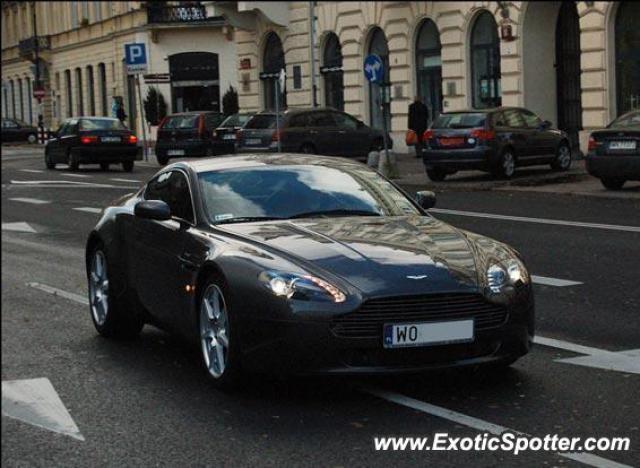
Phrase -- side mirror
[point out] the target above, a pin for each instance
(152, 209)
(426, 199)
(546, 124)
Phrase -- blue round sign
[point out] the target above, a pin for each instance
(373, 68)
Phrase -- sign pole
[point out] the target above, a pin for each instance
(278, 113)
(384, 120)
(144, 130)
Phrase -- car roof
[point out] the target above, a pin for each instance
(193, 113)
(298, 110)
(260, 160)
(482, 111)
(91, 117)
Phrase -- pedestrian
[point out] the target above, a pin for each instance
(120, 113)
(418, 116)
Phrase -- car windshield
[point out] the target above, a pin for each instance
(460, 120)
(182, 121)
(101, 124)
(250, 194)
(262, 121)
(235, 120)
(632, 119)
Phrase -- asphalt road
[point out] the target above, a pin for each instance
(147, 402)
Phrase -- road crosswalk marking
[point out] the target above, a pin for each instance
(83, 176)
(115, 179)
(89, 209)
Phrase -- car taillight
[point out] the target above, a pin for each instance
(87, 140)
(276, 135)
(482, 134)
(133, 139)
(215, 134)
(201, 126)
(427, 135)
(592, 144)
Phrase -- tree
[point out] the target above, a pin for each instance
(155, 107)
(230, 102)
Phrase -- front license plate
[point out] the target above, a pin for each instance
(622, 145)
(110, 139)
(175, 152)
(229, 137)
(253, 141)
(402, 335)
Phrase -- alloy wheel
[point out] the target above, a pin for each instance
(214, 330)
(99, 287)
(564, 157)
(508, 164)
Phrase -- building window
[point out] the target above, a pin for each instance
(13, 98)
(378, 45)
(102, 72)
(273, 62)
(195, 82)
(332, 72)
(85, 10)
(67, 82)
(429, 68)
(91, 89)
(80, 91)
(627, 38)
(97, 11)
(29, 99)
(21, 97)
(485, 62)
(74, 14)
(5, 101)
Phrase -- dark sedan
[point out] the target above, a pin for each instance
(323, 131)
(16, 130)
(92, 140)
(225, 133)
(493, 140)
(614, 152)
(294, 264)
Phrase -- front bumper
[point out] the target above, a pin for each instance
(459, 159)
(313, 347)
(614, 166)
(112, 154)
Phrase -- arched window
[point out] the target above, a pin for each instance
(29, 99)
(80, 89)
(272, 63)
(195, 82)
(67, 82)
(485, 62)
(102, 72)
(627, 38)
(92, 93)
(429, 67)
(332, 71)
(378, 46)
(13, 98)
(21, 99)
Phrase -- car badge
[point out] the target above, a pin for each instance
(416, 277)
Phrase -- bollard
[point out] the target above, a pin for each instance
(388, 166)
(373, 158)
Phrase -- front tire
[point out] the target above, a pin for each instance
(162, 160)
(506, 166)
(218, 345)
(612, 183)
(562, 161)
(32, 138)
(127, 166)
(108, 312)
(72, 161)
(48, 160)
(436, 174)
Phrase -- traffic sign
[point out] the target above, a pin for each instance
(135, 58)
(39, 93)
(154, 78)
(373, 68)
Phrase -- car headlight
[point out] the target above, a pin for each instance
(300, 286)
(511, 272)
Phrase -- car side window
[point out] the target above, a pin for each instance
(321, 119)
(531, 120)
(62, 131)
(298, 121)
(172, 188)
(9, 124)
(513, 119)
(211, 121)
(344, 121)
(498, 119)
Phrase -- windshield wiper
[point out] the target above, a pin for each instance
(330, 213)
(247, 219)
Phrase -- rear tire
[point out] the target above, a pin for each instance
(104, 166)
(72, 161)
(436, 174)
(612, 183)
(48, 161)
(162, 160)
(32, 138)
(562, 161)
(109, 313)
(127, 166)
(506, 167)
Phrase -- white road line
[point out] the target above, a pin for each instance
(18, 227)
(553, 281)
(560, 222)
(567, 346)
(67, 184)
(31, 170)
(33, 201)
(88, 209)
(60, 292)
(115, 179)
(82, 176)
(480, 425)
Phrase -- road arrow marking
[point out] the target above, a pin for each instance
(621, 361)
(35, 402)
(17, 227)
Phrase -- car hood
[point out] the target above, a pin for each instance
(379, 256)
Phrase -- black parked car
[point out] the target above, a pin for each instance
(614, 152)
(493, 140)
(226, 132)
(313, 131)
(92, 140)
(16, 130)
(289, 263)
(188, 134)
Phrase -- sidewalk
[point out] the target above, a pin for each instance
(575, 181)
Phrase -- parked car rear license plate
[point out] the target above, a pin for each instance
(403, 335)
(177, 152)
(229, 136)
(451, 141)
(626, 145)
(253, 141)
(110, 139)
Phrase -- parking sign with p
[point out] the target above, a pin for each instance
(135, 57)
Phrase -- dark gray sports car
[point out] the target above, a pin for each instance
(298, 264)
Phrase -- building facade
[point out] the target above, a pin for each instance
(81, 51)
(576, 64)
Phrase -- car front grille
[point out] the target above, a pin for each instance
(368, 320)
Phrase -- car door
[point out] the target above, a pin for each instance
(350, 138)
(519, 134)
(323, 133)
(542, 141)
(10, 130)
(158, 264)
(53, 145)
(66, 140)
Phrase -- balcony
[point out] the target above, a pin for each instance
(158, 13)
